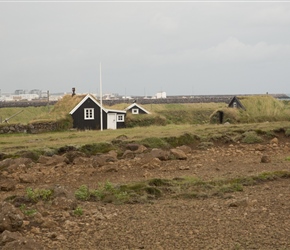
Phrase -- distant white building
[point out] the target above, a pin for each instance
(160, 95)
(21, 97)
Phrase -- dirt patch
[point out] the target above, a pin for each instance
(256, 217)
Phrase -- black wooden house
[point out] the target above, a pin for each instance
(136, 109)
(236, 103)
(87, 115)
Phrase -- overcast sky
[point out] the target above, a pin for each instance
(182, 48)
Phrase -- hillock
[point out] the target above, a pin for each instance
(258, 109)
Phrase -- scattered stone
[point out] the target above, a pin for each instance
(102, 159)
(274, 141)
(53, 160)
(97, 215)
(183, 168)
(13, 164)
(179, 154)
(61, 191)
(98, 161)
(43, 159)
(132, 146)
(265, 159)
(122, 137)
(72, 155)
(11, 219)
(109, 169)
(128, 154)
(160, 154)
(7, 185)
(185, 149)
(23, 244)
(238, 202)
(62, 203)
(8, 236)
(132, 150)
(61, 237)
(153, 164)
(81, 161)
(49, 223)
(27, 178)
(199, 165)
(141, 149)
(35, 230)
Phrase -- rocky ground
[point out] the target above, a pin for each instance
(256, 218)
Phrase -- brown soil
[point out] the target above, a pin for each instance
(256, 218)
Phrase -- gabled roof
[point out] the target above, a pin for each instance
(136, 105)
(239, 104)
(89, 96)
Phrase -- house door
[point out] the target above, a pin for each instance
(221, 116)
(112, 121)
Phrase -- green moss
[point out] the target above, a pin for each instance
(154, 142)
(95, 148)
(251, 137)
(185, 139)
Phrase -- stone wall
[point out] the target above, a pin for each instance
(29, 128)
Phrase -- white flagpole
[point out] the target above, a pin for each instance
(101, 99)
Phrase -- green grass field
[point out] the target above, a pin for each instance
(11, 143)
(264, 114)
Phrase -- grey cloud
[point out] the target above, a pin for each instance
(181, 48)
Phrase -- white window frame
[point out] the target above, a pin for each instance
(135, 111)
(89, 114)
(120, 117)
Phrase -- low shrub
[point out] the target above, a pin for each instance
(106, 192)
(144, 120)
(83, 193)
(154, 142)
(78, 211)
(95, 148)
(185, 139)
(251, 137)
(39, 194)
(27, 211)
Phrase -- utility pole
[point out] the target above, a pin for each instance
(101, 99)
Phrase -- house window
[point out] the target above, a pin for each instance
(120, 118)
(89, 114)
(135, 111)
(235, 105)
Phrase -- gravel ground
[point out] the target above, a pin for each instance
(256, 218)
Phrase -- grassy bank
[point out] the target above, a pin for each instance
(258, 109)
(11, 143)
